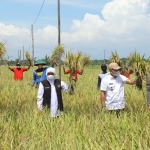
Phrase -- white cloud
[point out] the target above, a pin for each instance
(125, 26)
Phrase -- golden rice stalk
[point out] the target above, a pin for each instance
(2, 50)
(141, 67)
(27, 54)
(115, 58)
(73, 61)
(85, 60)
(57, 53)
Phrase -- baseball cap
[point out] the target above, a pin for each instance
(114, 66)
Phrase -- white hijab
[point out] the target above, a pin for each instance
(50, 69)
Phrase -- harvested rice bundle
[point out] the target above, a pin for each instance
(57, 53)
(115, 58)
(141, 67)
(27, 54)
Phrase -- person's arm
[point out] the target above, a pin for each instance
(99, 82)
(66, 72)
(29, 65)
(34, 78)
(40, 97)
(81, 72)
(9, 66)
(102, 98)
(131, 82)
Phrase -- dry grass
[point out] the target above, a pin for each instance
(84, 125)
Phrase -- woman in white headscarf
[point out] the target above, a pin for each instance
(49, 93)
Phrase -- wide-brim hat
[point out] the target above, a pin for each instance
(40, 62)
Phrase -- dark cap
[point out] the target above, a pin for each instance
(18, 64)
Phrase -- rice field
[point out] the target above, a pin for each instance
(83, 126)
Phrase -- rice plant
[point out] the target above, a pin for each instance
(83, 126)
(57, 53)
(141, 67)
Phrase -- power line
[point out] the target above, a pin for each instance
(99, 54)
(38, 13)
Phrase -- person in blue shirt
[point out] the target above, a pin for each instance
(102, 75)
(40, 73)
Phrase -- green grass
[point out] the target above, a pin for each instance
(84, 125)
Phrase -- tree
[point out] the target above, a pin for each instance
(2, 50)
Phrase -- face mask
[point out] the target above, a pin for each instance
(50, 77)
(117, 73)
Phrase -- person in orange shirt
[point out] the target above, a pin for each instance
(18, 71)
(127, 74)
(73, 76)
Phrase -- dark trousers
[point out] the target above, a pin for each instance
(117, 112)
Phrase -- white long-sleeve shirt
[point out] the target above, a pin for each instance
(54, 100)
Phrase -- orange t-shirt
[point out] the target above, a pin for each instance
(126, 74)
(18, 73)
(75, 75)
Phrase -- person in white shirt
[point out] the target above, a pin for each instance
(102, 75)
(50, 93)
(112, 89)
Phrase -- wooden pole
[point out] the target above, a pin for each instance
(23, 56)
(20, 56)
(32, 46)
(59, 42)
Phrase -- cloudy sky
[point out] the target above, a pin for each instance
(90, 26)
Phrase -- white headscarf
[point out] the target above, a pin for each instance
(51, 69)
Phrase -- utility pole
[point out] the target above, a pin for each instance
(32, 46)
(20, 56)
(23, 56)
(59, 38)
(104, 57)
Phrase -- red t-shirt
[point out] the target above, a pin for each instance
(18, 73)
(127, 74)
(76, 73)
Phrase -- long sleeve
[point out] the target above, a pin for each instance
(99, 82)
(40, 96)
(34, 78)
(64, 86)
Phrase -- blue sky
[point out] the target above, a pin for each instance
(86, 25)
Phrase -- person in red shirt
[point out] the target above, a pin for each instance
(73, 78)
(75, 74)
(18, 71)
(127, 74)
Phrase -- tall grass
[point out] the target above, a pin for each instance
(83, 126)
